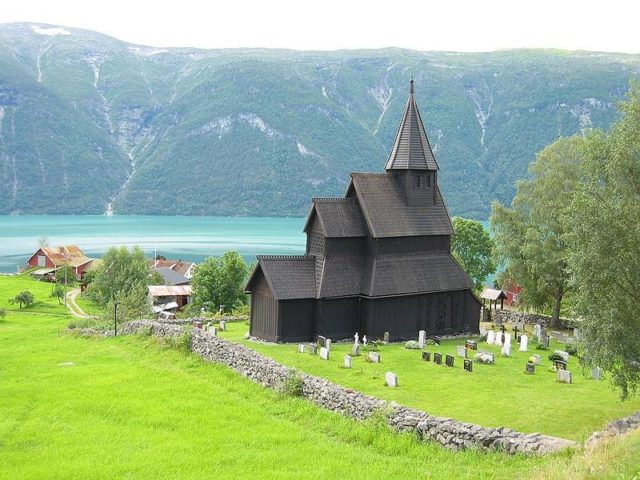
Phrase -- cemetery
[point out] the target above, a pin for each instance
(506, 383)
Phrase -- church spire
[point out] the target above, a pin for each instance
(411, 150)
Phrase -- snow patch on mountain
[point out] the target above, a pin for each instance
(219, 126)
(258, 123)
(147, 52)
(50, 31)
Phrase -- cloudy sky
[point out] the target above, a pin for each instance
(459, 25)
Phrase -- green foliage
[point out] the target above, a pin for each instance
(24, 299)
(133, 305)
(292, 385)
(605, 248)
(555, 356)
(473, 247)
(121, 272)
(67, 270)
(3, 313)
(57, 292)
(180, 342)
(529, 236)
(219, 281)
(571, 349)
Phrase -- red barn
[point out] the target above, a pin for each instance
(512, 290)
(49, 259)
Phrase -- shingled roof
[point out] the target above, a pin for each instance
(402, 275)
(411, 150)
(339, 217)
(289, 276)
(387, 213)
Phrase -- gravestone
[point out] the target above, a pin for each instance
(437, 358)
(448, 360)
(385, 338)
(321, 341)
(324, 353)
(499, 338)
(461, 351)
(374, 357)
(347, 361)
(432, 340)
(426, 356)
(537, 331)
(483, 331)
(422, 337)
(530, 368)
(485, 357)
(356, 339)
(545, 341)
(364, 340)
(355, 350)
(507, 339)
(560, 364)
(506, 350)
(196, 324)
(491, 337)
(471, 344)
(563, 354)
(577, 334)
(391, 379)
(524, 343)
(327, 344)
(223, 326)
(596, 373)
(564, 376)
(213, 330)
(468, 365)
(207, 327)
(313, 349)
(301, 348)
(536, 359)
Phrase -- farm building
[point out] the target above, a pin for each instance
(377, 260)
(49, 259)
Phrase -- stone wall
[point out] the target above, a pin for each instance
(269, 373)
(510, 316)
(615, 428)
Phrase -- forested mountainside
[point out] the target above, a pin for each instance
(89, 123)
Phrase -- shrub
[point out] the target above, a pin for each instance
(292, 385)
(412, 345)
(571, 349)
(555, 356)
(3, 313)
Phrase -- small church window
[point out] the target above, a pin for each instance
(416, 181)
(428, 181)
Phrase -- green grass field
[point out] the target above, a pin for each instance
(132, 407)
(493, 395)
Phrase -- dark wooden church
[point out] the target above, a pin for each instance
(377, 260)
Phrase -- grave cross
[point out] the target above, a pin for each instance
(502, 329)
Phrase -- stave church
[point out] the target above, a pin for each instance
(377, 260)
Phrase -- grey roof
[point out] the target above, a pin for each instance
(388, 215)
(172, 277)
(290, 276)
(402, 275)
(411, 149)
(342, 276)
(339, 217)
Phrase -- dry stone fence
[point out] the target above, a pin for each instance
(452, 434)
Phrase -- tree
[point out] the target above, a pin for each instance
(24, 298)
(3, 313)
(135, 305)
(472, 247)
(529, 236)
(65, 273)
(57, 291)
(43, 242)
(220, 281)
(604, 238)
(120, 272)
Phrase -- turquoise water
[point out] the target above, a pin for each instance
(186, 238)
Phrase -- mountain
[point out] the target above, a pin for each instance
(89, 123)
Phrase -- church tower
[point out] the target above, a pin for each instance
(411, 161)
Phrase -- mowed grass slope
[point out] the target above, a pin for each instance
(131, 407)
(493, 395)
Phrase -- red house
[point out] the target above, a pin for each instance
(49, 259)
(512, 290)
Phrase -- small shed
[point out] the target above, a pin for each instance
(493, 296)
(163, 295)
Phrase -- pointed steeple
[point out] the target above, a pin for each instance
(411, 150)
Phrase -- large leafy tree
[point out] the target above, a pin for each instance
(472, 246)
(24, 299)
(529, 236)
(605, 248)
(220, 281)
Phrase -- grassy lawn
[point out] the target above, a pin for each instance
(89, 306)
(131, 407)
(493, 395)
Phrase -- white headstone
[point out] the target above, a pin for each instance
(213, 330)
(301, 348)
(324, 353)
(524, 343)
(506, 350)
(491, 337)
(564, 376)
(498, 338)
(422, 338)
(391, 379)
(364, 340)
(355, 350)
(223, 326)
(374, 357)
(327, 344)
(564, 355)
(385, 338)
(536, 359)
(537, 331)
(207, 327)
(507, 339)
(356, 339)
(483, 331)
(461, 351)
(347, 361)
(596, 373)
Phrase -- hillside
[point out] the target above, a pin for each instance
(89, 123)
